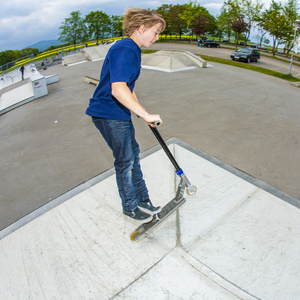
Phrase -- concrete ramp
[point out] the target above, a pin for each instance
(172, 61)
(96, 53)
(88, 53)
(15, 76)
(93, 54)
(23, 91)
(235, 239)
(16, 97)
(73, 59)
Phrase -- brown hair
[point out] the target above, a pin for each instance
(136, 17)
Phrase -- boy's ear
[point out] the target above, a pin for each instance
(141, 29)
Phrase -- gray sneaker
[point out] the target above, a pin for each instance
(137, 214)
(149, 206)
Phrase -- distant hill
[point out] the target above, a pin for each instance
(43, 45)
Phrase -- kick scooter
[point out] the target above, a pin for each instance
(143, 230)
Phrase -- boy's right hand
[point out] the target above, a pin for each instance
(152, 118)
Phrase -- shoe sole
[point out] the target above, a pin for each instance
(143, 220)
(148, 211)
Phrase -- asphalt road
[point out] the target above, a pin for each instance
(224, 52)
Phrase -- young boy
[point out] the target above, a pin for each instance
(113, 101)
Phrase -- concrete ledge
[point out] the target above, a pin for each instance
(91, 80)
(51, 79)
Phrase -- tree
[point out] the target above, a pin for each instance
(164, 11)
(8, 56)
(98, 24)
(116, 25)
(230, 10)
(177, 23)
(194, 15)
(290, 11)
(73, 29)
(199, 25)
(276, 23)
(239, 26)
(251, 10)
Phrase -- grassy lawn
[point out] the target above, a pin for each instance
(251, 67)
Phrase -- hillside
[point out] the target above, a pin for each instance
(43, 45)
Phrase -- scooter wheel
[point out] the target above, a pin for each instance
(133, 235)
(193, 192)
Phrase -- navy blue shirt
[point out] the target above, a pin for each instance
(122, 64)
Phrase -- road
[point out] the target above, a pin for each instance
(223, 52)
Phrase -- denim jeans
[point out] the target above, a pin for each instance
(120, 137)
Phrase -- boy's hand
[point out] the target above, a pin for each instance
(150, 119)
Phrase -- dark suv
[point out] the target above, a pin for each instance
(246, 54)
(209, 44)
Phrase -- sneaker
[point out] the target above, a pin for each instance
(137, 214)
(149, 206)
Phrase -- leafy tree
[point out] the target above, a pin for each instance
(194, 15)
(116, 25)
(8, 56)
(28, 51)
(172, 15)
(276, 23)
(290, 11)
(177, 23)
(73, 29)
(164, 10)
(229, 11)
(251, 11)
(199, 25)
(98, 23)
(260, 36)
(239, 25)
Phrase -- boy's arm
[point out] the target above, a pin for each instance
(129, 99)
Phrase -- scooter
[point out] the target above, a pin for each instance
(143, 230)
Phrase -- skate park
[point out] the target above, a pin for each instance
(236, 140)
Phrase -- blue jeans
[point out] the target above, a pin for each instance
(120, 137)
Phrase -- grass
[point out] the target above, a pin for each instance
(287, 77)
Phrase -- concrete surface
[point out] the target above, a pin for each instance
(232, 240)
(248, 120)
(171, 61)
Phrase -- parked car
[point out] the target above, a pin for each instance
(280, 51)
(258, 47)
(243, 44)
(246, 54)
(209, 44)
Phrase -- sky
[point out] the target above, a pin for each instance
(24, 22)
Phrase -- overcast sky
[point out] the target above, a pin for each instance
(24, 22)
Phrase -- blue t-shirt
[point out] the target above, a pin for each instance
(122, 63)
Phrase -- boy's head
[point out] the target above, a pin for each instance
(134, 18)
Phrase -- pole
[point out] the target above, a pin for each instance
(291, 63)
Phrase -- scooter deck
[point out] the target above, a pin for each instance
(143, 230)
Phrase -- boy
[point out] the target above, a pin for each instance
(113, 101)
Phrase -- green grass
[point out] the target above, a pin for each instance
(147, 51)
(287, 77)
